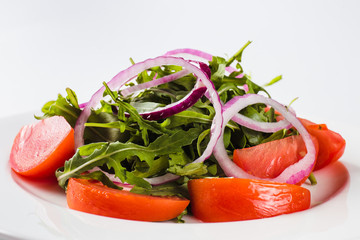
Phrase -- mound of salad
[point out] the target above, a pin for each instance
(182, 133)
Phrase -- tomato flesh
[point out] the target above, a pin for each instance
(93, 197)
(269, 159)
(40, 148)
(235, 199)
(331, 144)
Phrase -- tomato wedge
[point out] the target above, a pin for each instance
(235, 199)
(268, 160)
(331, 144)
(40, 148)
(93, 197)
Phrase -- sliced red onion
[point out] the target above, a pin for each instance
(246, 87)
(168, 177)
(294, 173)
(268, 127)
(82, 105)
(189, 100)
(205, 68)
(154, 82)
(194, 54)
(126, 75)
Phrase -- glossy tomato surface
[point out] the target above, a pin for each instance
(40, 148)
(93, 197)
(268, 160)
(331, 144)
(234, 199)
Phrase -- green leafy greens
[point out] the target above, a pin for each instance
(119, 141)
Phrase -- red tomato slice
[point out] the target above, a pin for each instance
(40, 148)
(235, 199)
(331, 144)
(93, 197)
(269, 159)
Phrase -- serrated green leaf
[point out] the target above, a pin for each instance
(188, 117)
(143, 170)
(113, 154)
(72, 98)
(61, 107)
(191, 169)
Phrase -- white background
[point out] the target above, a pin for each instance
(46, 46)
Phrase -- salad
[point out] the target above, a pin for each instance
(182, 133)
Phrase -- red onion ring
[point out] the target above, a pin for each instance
(168, 177)
(124, 76)
(268, 127)
(205, 57)
(190, 99)
(154, 82)
(294, 173)
(82, 105)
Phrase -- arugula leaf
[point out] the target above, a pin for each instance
(188, 117)
(213, 169)
(253, 113)
(179, 159)
(253, 137)
(191, 169)
(112, 154)
(185, 83)
(202, 136)
(217, 67)
(179, 218)
(276, 136)
(146, 106)
(121, 142)
(274, 80)
(98, 133)
(144, 125)
(72, 98)
(159, 166)
(167, 189)
(61, 107)
(254, 88)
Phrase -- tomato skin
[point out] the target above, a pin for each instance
(235, 199)
(93, 197)
(331, 144)
(40, 148)
(268, 160)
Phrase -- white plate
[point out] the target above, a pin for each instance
(37, 209)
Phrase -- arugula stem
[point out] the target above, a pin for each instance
(104, 125)
(312, 179)
(237, 55)
(274, 80)
(239, 81)
(132, 61)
